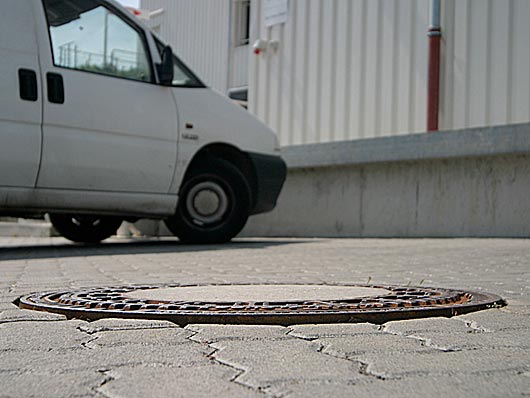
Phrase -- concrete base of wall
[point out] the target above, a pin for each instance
(406, 192)
(445, 198)
(26, 228)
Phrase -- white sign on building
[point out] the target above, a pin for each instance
(276, 12)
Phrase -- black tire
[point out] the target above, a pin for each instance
(214, 204)
(85, 229)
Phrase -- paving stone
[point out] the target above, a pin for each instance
(18, 315)
(176, 355)
(145, 337)
(304, 360)
(214, 333)
(481, 330)
(7, 305)
(197, 382)
(47, 383)
(106, 325)
(272, 365)
(428, 325)
(499, 319)
(508, 384)
(170, 346)
(432, 363)
(82, 359)
(40, 362)
(30, 345)
(41, 336)
(332, 330)
(377, 344)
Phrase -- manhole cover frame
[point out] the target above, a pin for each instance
(403, 302)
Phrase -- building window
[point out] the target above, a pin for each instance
(242, 22)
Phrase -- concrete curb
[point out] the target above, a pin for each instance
(475, 142)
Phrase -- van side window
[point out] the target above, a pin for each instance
(87, 36)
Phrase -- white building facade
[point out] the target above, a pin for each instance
(350, 69)
(333, 70)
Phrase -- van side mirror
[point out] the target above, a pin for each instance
(165, 68)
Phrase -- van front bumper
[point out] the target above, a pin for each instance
(270, 172)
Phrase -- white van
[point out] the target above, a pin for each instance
(100, 123)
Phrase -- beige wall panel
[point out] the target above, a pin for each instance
(357, 73)
(286, 83)
(389, 49)
(341, 101)
(372, 66)
(314, 73)
(485, 63)
(420, 49)
(298, 73)
(519, 105)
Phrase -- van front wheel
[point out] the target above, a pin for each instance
(85, 229)
(214, 204)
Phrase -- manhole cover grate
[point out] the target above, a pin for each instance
(280, 304)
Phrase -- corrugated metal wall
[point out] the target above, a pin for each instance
(349, 69)
(198, 31)
(345, 69)
(486, 62)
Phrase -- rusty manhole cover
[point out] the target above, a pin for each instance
(278, 304)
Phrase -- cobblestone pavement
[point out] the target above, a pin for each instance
(483, 354)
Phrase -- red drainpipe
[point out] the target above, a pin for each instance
(433, 85)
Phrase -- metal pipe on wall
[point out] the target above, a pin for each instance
(433, 85)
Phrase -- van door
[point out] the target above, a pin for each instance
(106, 125)
(20, 96)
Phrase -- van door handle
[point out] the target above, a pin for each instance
(27, 84)
(55, 88)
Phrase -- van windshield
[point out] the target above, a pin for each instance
(183, 76)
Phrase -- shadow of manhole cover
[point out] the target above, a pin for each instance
(272, 304)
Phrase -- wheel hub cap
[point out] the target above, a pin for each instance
(207, 202)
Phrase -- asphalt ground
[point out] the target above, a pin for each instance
(482, 354)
